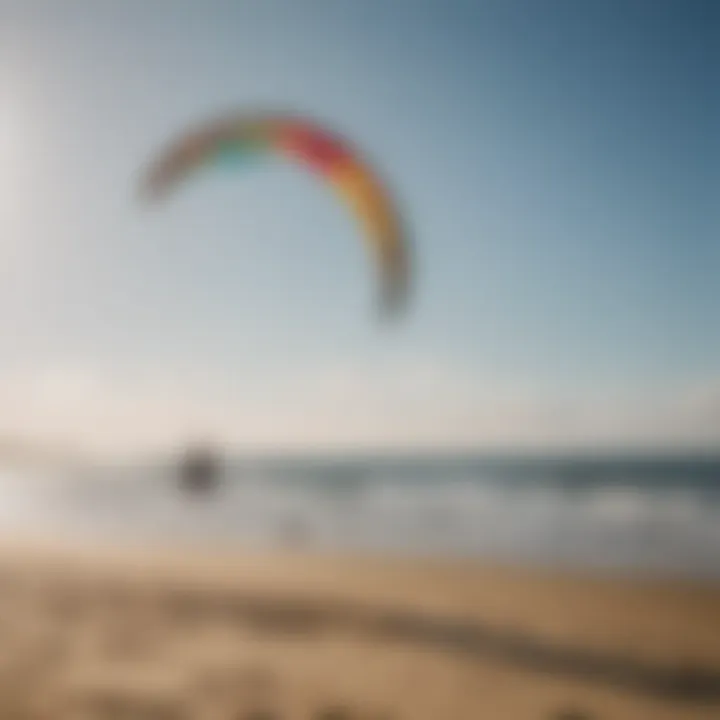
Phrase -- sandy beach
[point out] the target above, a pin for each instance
(111, 634)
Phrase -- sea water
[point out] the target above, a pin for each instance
(647, 514)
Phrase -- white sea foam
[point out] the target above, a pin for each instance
(532, 514)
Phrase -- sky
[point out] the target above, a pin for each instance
(557, 163)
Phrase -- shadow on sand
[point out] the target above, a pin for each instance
(687, 684)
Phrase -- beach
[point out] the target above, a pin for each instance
(109, 633)
(359, 360)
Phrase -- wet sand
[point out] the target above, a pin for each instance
(100, 634)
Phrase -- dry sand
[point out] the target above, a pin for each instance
(177, 635)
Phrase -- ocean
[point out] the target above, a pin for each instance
(650, 515)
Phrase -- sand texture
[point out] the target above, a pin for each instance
(182, 636)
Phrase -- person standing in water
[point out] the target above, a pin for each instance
(200, 470)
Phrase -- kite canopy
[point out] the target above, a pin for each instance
(248, 136)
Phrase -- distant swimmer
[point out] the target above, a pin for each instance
(200, 470)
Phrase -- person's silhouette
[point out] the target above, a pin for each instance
(200, 469)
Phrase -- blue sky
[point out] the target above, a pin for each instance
(557, 162)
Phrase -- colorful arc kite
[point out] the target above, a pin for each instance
(315, 147)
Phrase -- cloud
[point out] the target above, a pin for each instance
(403, 404)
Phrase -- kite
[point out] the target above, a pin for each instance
(239, 137)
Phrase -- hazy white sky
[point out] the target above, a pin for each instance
(401, 405)
(557, 162)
